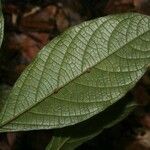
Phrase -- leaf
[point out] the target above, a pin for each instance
(79, 73)
(57, 143)
(1, 25)
(71, 137)
(4, 92)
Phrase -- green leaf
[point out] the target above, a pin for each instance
(79, 73)
(71, 137)
(4, 92)
(1, 25)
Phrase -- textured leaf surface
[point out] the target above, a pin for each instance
(1, 25)
(4, 92)
(72, 137)
(80, 73)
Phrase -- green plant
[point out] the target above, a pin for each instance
(77, 82)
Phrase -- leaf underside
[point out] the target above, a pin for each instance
(4, 92)
(79, 73)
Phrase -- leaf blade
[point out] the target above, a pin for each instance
(58, 80)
